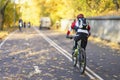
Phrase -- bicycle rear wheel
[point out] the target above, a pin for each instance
(82, 60)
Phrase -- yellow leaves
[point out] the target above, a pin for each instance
(103, 42)
(31, 12)
(3, 34)
(57, 9)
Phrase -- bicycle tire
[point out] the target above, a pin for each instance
(82, 60)
(74, 59)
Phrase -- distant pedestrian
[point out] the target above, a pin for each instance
(24, 24)
(57, 24)
(29, 24)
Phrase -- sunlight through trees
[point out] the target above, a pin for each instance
(32, 10)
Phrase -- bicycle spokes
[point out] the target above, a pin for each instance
(74, 59)
(82, 61)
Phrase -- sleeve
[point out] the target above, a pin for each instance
(89, 30)
(89, 27)
(69, 30)
(73, 25)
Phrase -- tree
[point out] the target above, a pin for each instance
(8, 13)
(58, 9)
(11, 15)
(4, 4)
(117, 4)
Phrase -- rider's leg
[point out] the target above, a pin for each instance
(84, 44)
(75, 45)
(76, 39)
(84, 41)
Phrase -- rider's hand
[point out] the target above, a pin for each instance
(89, 34)
(70, 37)
(67, 36)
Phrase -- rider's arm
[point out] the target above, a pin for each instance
(68, 32)
(71, 27)
(89, 30)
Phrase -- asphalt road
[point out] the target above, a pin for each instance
(46, 55)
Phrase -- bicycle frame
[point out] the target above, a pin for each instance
(80, 57)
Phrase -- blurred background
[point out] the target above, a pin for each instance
(61, 12)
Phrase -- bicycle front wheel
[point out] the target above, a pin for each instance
(74, 59)
(82, 60)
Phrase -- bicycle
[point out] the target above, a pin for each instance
(20, 26)
(79, 57)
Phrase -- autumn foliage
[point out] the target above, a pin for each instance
(32, 10)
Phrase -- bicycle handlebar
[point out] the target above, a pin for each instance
(71, 37)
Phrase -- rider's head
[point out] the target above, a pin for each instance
(80, 16)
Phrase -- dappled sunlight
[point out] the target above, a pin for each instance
(32, 10)
(23, 34)
(35, 53)
(19, 52)
(29, 56)
(48, 75)
(25, 66)
(3, 34)
(104, 42)
(56, 33)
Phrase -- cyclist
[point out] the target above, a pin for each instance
(20, 24)
(82, 29)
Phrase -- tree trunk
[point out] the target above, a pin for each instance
(117, 4)
(2, 12)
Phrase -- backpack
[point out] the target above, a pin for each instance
(82, 23)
